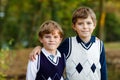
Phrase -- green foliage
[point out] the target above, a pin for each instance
(112, 27)
(5, 58)
(23, 18)
(2, 76)
(3, 64)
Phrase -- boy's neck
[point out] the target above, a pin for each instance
(85, 40)
(52, 52)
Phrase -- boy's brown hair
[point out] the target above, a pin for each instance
(49, 27)
(83, 12)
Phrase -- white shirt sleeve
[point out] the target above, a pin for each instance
(32, 69)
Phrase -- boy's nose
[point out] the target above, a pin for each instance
(85, 26)
(51, 39)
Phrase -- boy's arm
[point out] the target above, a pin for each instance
(103, 64)
(64, 47)
(35, 52)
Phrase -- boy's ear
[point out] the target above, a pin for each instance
(61, 39)
(94, 25)
(40, 39)
(73, 26)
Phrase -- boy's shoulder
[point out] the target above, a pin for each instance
(100, 42)
(97, 39)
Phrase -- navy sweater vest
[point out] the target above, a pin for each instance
(49, 69)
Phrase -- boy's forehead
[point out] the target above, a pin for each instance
(54, 32)
(81, 19)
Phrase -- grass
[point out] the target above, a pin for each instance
(113, 45)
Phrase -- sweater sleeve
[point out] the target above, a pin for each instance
(64, 47)
(103, 63)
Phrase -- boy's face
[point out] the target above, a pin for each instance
(84, 27)
(51, 41)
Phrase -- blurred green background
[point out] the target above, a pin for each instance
(20, 20)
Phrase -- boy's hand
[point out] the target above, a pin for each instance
(34, 52)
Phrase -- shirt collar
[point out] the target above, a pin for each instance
(46, 53)
(91, 40)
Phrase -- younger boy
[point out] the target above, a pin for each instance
(50, 64)
(85, 54)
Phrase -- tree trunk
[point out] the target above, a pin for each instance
(102, 20)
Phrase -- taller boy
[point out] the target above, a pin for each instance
(85, 54)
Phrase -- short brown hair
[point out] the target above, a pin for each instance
(83, 12)
(48, 27)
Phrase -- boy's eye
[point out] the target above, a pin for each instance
(55, 36)
(50, 36)
(89, 23)
(80, 23)
(47, 36)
